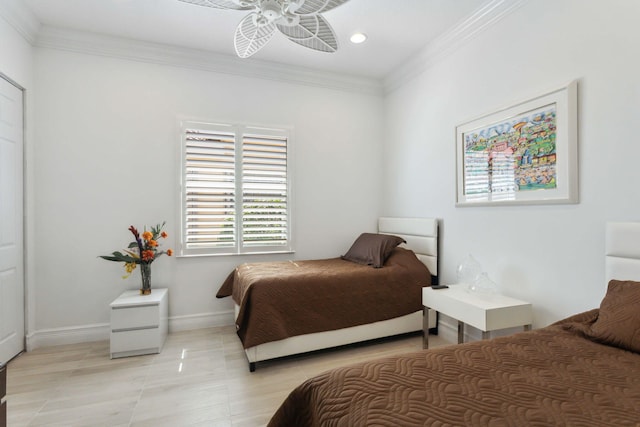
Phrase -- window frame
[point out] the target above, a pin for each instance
(238, 130)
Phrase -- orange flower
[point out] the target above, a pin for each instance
(143, 250)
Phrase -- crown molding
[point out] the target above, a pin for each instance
(485, 17)
(155, 53)
(20, 17)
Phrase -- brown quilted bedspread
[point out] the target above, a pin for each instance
(548, 377)
(282, 299)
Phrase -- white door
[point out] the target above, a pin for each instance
(11, 231)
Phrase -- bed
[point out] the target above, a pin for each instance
(287, 308)
(583, 370)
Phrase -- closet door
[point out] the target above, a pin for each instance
(11, 221)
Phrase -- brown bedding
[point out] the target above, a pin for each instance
(554, 376)
(282, 299)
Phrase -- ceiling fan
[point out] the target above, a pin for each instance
(299, 20)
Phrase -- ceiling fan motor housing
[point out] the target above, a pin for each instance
(271, 9)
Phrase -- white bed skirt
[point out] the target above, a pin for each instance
(321, 340)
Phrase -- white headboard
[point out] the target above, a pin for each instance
(421, 235)
(622, 251)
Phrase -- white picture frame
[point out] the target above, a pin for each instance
(523, 154)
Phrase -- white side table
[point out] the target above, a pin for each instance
(139, 323)
(484, 312)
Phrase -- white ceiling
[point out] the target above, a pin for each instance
(397, 29)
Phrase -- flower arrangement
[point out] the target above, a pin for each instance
(143, 251)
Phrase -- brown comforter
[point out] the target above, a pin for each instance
(549, 377)
(282, 299)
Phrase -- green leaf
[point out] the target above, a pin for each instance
(110, 258)
(120, 257)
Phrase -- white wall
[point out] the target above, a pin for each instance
(550, 255)
(107, 157)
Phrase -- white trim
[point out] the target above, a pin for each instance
(448, 329)
(101, 331)
(484, 18)
(155, 53)
(68, 335)
(20, 17)
(201, 321)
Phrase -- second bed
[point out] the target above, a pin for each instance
(291, 307)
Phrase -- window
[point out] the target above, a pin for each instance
(235, 189)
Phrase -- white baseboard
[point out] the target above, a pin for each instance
(200, 321)
(69, 335)
(448, 329)
(101, 331)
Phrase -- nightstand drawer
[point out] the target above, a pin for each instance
(139, 323)
(141, 339)
(126, 318)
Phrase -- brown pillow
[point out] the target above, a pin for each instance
(618, 321)
(372, 249)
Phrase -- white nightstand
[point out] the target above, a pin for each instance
(484, 312)
(139, 323)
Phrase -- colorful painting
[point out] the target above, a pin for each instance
(523, 154)
(518, 154)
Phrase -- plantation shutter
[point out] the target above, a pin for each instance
(235, 190)
(264, 190)
(209, 187)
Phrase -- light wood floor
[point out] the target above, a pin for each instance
(201, 378)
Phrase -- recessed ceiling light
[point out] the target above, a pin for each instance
(358, 38)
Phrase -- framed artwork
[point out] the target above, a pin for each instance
(523, 154)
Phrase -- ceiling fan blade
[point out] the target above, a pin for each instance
(317, 6)
(313, 32)
(223, 4)
(251, 37)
